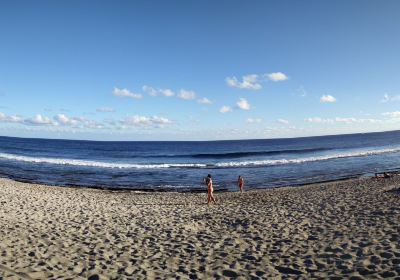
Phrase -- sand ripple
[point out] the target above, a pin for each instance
(338, 230)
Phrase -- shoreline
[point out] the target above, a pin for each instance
(343, 228)
(183, 190)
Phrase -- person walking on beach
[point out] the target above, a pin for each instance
(240, 183)
(210, 189)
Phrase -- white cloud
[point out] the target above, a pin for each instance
(157, 92)
(187, 94)
(283, 121)
(160, 120)
(64, 120)
(327, 99)
(150, 90)
(15, 119)
(144, 121)
(253, 81)
(355, 120)
(10, 119)
(248, 82)
(373, 120)
(105, 110)
(390, 98)
(276, 77)
(77, 122)
(40, 120)
(340, 120)
(225, 109)
(243, 104)
(91, 124)
(318, 120)
(254, 120)
(393, 115)
(167, 92)
(204, 101)
(126, 93)
(346, 120)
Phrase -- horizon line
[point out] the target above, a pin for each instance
(218, 140)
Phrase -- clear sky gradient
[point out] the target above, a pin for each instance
(198, 70)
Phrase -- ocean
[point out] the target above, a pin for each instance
(182, 165)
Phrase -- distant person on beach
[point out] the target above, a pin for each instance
(240, 183)
(210, 189)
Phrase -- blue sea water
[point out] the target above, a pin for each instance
(181, 166)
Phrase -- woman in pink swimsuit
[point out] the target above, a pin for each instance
(210, 189)
(240, 183)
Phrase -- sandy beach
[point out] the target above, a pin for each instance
(339, 230)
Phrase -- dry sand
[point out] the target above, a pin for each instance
(347, 229)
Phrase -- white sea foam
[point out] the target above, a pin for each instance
(76, 162)
(307, 159)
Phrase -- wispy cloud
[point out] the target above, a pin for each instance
(348, 120)
(10, 119)
(167, 92)
(204, 100)
(243, 104)
(254, 120)
(247, 82)
(137, 120)
(150, 90)
(327, 99)
(283, 121)
(253, 81)
(395, 114)
(187, 94)
(390, 98)
(318, 120)
(77, 122)
(277, 77)
(14, 119)
(63, 121)
(40, 120)
(225, 109)
(126, 93)
(158, 92)
(183, 94)
(356, 120)
(105, 110)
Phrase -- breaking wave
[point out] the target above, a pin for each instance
(307, 159)
(255, 163)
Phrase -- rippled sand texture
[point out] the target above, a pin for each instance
(340, 230)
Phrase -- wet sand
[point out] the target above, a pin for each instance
(339, 230)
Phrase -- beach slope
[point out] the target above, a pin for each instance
(339, 229)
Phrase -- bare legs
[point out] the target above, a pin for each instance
(210, 197)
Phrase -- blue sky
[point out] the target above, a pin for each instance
(198, 70)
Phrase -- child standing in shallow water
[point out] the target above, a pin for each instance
(240, 183)
(210, 189)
